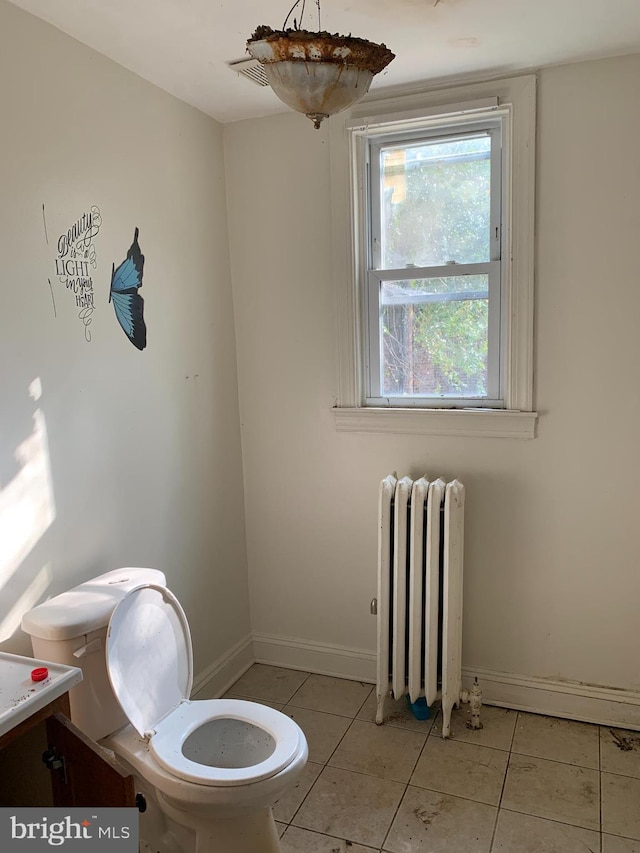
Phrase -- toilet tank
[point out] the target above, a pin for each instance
(71, 628)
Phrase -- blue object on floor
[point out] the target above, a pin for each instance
(419, 709)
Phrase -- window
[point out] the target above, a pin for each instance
(432, 292)
(435, 303)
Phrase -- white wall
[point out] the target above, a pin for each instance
(128, 457)
(552, 583)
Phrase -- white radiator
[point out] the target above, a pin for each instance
(419, 605)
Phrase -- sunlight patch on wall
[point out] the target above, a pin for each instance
(27, 507)
(29, 598)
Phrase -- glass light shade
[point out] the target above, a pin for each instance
(317, 74)
(319, 88)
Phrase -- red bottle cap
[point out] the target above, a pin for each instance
(39, 674)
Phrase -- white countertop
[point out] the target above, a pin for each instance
(20, 697)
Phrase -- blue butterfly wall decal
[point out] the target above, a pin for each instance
(127, 302)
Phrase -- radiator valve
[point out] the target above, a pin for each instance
(475, 699)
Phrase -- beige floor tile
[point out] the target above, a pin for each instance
(428, 822)
(613, 844)
(269, 682)
(497, 729)
(553, 790)
(299, 840)
(396, 713)
(620, 751)
(521, 833)
(621, 806)
(323, 731)
(333, 695)
(558, 740)
(384, 751)
(289, 803)
(351, 805)
(280, 827)
(277, 706)
(462, 769)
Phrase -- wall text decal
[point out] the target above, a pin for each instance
(76, 261)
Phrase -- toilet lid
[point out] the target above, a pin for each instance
(149, 655)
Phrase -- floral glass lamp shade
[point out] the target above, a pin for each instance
(317, 73)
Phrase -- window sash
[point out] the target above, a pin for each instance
(374, 366)
(373, 362)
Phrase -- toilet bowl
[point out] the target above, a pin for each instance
(209, 770)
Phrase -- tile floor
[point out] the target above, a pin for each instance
(523, 784)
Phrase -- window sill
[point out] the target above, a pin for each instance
(476, 423)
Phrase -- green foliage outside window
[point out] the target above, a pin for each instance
(436, 209)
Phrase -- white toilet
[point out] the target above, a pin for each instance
(209, 770)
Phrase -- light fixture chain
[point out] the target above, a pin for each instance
(297, 25)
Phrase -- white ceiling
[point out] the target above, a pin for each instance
(183, 45)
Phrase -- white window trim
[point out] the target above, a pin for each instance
(518, 419)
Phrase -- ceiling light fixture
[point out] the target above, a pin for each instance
(316, 73)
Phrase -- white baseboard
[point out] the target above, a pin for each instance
(216, 679)
(321, 658)
(604, 706)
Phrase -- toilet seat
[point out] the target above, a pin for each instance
(167, 743)
(150, 665)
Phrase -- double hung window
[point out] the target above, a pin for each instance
(432, 287)
(433, 239)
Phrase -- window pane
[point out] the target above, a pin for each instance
(435, 337)
(435, 202)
